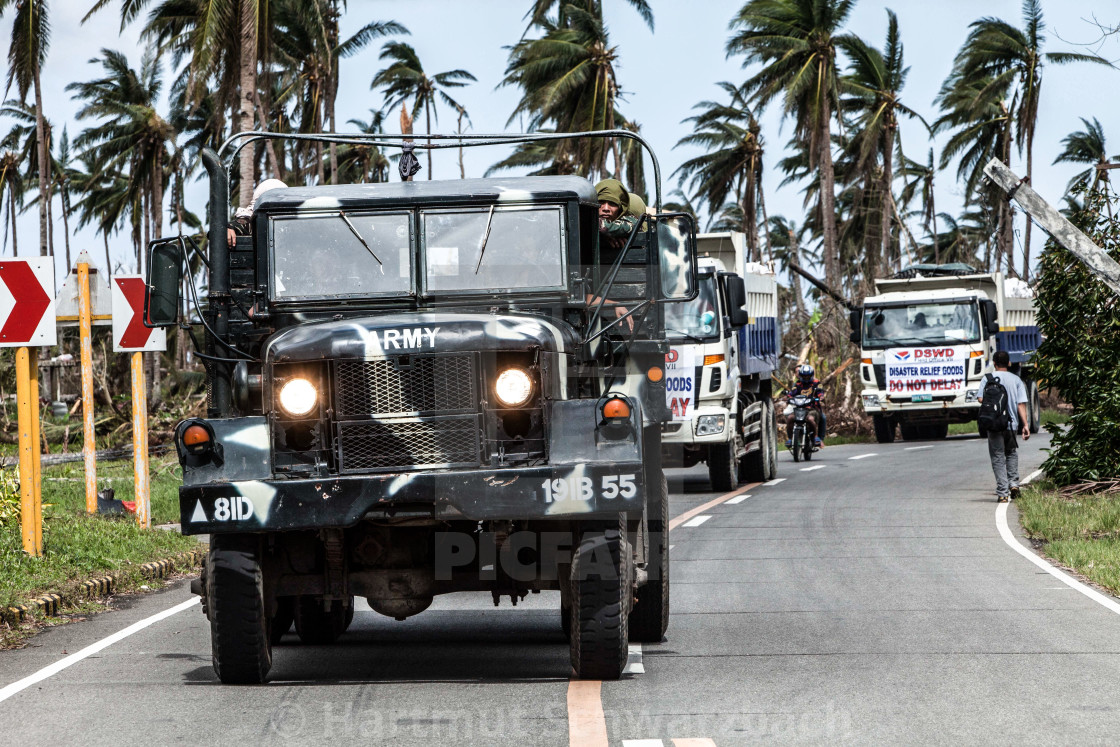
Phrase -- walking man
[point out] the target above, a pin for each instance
(1004, 414)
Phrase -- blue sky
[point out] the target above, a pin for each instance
(664, 73)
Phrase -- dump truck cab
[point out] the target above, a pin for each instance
(433, 386)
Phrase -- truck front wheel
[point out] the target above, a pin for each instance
(602, 587)
(884, 429)
(239, 635)
(722, 468)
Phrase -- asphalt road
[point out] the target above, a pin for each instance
(870, 599)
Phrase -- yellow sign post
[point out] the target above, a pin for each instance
(30, 495)
(85, 332)
(140, 442)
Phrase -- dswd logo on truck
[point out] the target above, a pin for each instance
(903, 356)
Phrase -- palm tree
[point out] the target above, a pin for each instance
(873, 86)
(979, 113)
(541, 9)
(794, 42)
(131, 136)
(1013, 57)
(11, 192)
(404, 79)
(1086, 146)
(27, 51)
(787, 240)
(568, 84)
(359, 164)
(732, 163)
(918, 182)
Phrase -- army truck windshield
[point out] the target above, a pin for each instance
(419, 388)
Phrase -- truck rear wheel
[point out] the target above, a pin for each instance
(650, 617)
(239, 636)
(318, 626)
(1034, 407)
(601, 592)
(908, 432)
(281, 622)
(770, 439)
(722, 468)
(884, 429)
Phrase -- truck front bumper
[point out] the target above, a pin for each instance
(546, 492)
(684, 432)
(957, 409)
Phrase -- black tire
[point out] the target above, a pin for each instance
(798, 443)
(908, 432)
(316, 626)
(1034, 407)
(239, 641)
(939, 432)
(601, 594)
(770, 428)
(649, 619)
(281, 622)
(808, 452)
(722, 469)
(884, 429)
(566, 621)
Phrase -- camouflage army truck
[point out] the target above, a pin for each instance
(424, 387)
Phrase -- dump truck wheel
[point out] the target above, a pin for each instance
(722, 468)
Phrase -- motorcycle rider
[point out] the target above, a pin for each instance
(807, 385)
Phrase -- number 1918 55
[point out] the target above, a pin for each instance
(582, 488)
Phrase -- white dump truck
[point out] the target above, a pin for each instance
(724, 346)
(926, 341)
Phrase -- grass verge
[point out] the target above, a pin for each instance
(1081, 533)
(78, 546)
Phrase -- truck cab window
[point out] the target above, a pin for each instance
(337, 254)
(493, 249)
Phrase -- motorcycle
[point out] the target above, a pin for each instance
(804, 434)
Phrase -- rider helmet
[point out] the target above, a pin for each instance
(805, 374)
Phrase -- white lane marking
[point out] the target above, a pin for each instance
(916, 448)
(696, 521)
(92, 649)
(810, 469)
(739, 498)
(1014, 544)
(671, 546)
(1032, 476)
(634, 663)
(862, 456)
(642, 743)
(775, 481)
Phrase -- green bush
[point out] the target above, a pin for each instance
(1080, 353)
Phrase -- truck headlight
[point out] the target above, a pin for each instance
(298, 397)
(513, 387)
(709, 425)
(970, 395)
(871, 400)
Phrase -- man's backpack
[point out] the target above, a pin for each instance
(994, 416)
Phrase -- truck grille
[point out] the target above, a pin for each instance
(413, 443)
(880, 375)
(405, 385)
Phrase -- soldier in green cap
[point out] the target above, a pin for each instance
(615, 220)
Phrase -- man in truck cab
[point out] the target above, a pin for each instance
(807, 385)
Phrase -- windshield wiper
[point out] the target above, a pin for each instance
(694, 338)
(485, 238)
(358, 236)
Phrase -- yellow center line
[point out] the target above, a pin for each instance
(587, 725)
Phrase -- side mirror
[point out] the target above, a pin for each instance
(676, 249)
(735, 289)
(991, 316)
(165, 276)
(855, 321)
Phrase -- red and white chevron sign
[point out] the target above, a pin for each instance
(27, 302)
(129, 333)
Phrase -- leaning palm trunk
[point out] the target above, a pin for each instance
(248, 75)
(885, 216)
(44, 182)
(828, 198)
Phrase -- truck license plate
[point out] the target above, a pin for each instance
(921, 398)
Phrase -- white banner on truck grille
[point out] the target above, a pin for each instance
(680, 381)
(921, 373)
